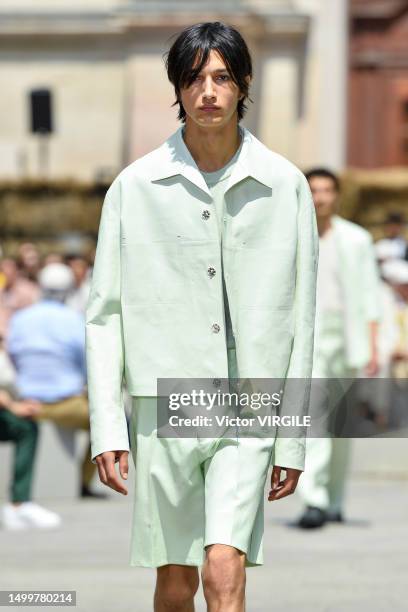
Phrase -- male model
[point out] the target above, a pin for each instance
(347, 314)
(205, 267)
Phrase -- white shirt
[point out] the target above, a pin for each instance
(329, 295)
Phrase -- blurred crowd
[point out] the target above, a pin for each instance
(392, 258)
(43, 367)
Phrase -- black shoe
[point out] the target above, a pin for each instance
(312, 517)
(86, 492)
(335, 517)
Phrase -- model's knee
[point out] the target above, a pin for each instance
(176, 586)
(223, 573)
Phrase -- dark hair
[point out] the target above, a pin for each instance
(323, 173)
(200, 39)
(395, 217)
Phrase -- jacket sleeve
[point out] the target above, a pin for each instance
(290, 442)
(104, 336)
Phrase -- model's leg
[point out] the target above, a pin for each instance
(328, 360)
(340, 458)
(339, 466)
(312, 486)
(176, 586)
(223, 577)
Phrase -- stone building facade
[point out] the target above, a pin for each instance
(111, 101)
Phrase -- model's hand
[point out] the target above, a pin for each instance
(372, 368)
(106, 467)
(281, 488)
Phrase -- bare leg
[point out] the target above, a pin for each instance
(176, 586)
(223, 576)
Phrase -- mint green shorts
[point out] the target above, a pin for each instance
(192, 492)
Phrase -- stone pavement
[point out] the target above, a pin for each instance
(360, 566)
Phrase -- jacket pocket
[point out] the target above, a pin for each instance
(266, 276)
(151, 272)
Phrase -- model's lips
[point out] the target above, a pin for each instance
(209, 108)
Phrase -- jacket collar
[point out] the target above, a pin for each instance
(175, 158)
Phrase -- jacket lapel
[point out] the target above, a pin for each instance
(175, 158)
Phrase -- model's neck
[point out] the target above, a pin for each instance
(212, 147)
(324, 224)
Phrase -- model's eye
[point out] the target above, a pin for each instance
(224, 77)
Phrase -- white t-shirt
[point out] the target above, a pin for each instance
(329, 295)
(217, 182)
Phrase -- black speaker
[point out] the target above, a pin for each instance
(41, 111)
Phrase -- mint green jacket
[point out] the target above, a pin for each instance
(360, 280)
(155, 308)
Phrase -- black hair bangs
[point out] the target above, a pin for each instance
(190, 52)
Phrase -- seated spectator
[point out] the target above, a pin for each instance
(18, 426)
(46, 343)
(78, 296)
(29, 260)
(16, 292)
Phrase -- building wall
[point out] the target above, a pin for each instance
(112, 101)
(378, 93)
(88, 115)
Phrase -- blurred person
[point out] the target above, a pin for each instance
(29, 260)
(396, 273)
(46, 342)
(394, 239)
(79, 294)
(346, 329)
(53, 258)
(18, 426)
(375, 392)
(16, 292)
(168, 300)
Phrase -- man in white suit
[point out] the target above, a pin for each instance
(347, 315)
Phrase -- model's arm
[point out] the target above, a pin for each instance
(104, 347)
(371, 293)
(289, 452)
(21, 408)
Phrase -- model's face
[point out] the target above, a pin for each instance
(212, 99)
(324, 196)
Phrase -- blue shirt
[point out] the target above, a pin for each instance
(46, 342)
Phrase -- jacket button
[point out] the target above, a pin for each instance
(205, 214)
(215, 327)
(211, 272)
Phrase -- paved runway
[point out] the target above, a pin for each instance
(360, 566)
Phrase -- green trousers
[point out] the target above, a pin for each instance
(23, 433)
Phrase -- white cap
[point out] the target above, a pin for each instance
(56, 277)
(395, 271)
